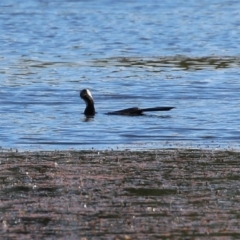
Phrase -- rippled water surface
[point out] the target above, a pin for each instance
(138, 53)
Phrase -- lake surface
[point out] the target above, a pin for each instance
(137, 53)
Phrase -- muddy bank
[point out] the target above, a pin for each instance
(120, 194)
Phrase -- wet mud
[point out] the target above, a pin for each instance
(160, 194)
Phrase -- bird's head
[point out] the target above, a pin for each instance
(86, 95)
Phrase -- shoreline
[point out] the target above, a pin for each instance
(125, 148)
(120, 194)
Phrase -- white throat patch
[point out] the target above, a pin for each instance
(89, 93)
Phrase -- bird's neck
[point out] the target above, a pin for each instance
(90, 109)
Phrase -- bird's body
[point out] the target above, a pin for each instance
(86, 95)
(135, 111)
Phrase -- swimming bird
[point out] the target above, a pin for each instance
(89, 111)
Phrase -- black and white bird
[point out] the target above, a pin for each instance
(89, 111)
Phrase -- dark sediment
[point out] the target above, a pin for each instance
(120, 194)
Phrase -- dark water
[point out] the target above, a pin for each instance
(138, 53)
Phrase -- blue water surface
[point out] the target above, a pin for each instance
(128, 53)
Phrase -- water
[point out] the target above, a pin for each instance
(159, 53)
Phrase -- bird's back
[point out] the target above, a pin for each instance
(135, 111)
